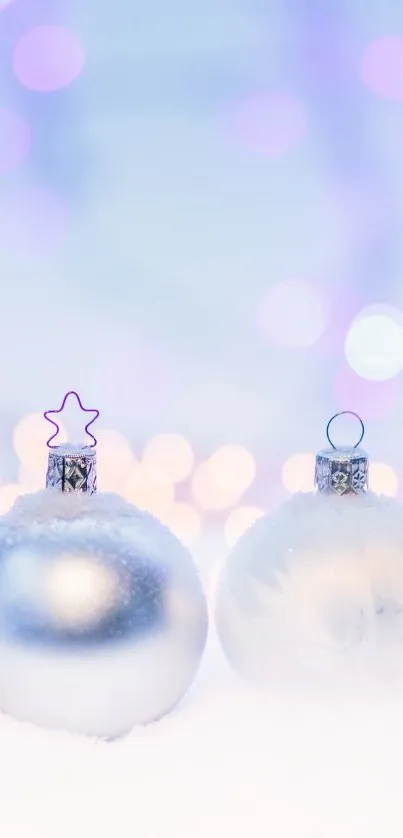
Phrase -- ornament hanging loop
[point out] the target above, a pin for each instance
(345, 413)
(84, 409)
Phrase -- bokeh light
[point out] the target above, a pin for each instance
(239, 520)
(171, 453)
(33, 223)
(29, 440)
(115, 461)
(48, 58)
(382, 479)
(374, 344)
(185, 522)
(150, 489)
(219, 482)
(15, 140)
(370, 399)
(382, 67)
(208, 495)
(271, 123)
(291, 315)
(298, 473)
(8, 495)
(32, 478)
(232, 466)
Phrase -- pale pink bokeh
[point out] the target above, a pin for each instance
(370, 399)
(270, 123)
(382, 67)
(15, 140)
(48, 58)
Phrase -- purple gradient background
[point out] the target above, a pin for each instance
(161, 173)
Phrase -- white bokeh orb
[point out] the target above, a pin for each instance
(374, 345)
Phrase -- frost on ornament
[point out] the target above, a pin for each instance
(314, 593)
(103, 619)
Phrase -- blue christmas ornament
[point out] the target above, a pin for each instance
(103, 620)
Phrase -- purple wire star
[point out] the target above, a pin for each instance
(84, 409)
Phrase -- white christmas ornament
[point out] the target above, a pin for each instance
(103, 619)
(315, 592)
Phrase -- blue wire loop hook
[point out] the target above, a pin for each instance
(346, 413)
(84, 409)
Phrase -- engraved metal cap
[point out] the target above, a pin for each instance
(72, 468)
(342, 470)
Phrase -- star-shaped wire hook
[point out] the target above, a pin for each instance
(84, 409)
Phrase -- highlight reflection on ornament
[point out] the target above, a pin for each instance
(103, 619)
(315, 591)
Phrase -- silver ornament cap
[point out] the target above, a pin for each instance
(72, 468)
(342, 470)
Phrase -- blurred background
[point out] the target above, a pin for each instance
(200, 231)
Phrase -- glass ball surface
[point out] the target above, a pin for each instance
(103, 619)
(315, 592)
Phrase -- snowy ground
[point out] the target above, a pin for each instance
(228, 761)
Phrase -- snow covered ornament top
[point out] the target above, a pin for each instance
(72, 468)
